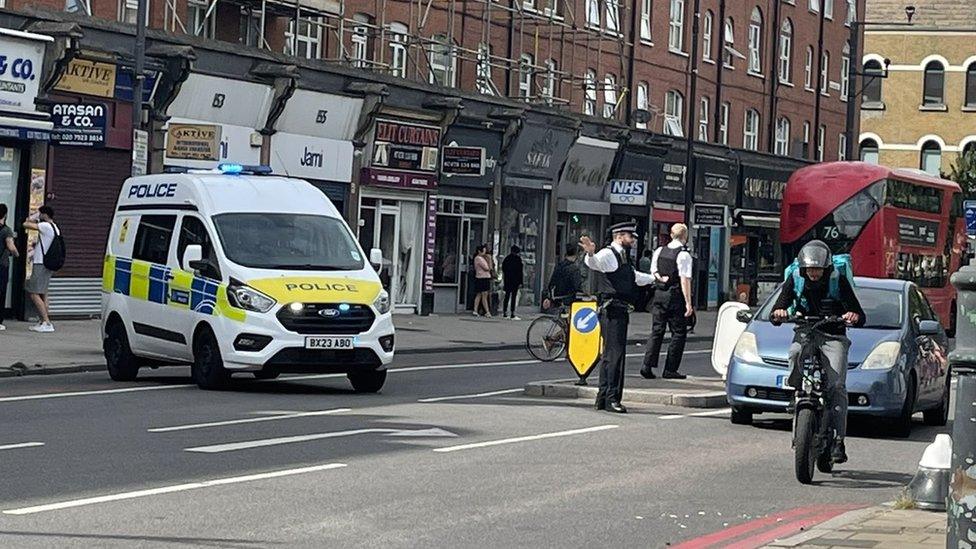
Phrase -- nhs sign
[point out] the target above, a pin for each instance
(629, 192)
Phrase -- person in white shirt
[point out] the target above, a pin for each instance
(617, 289)
(671, 268)
(40, 279)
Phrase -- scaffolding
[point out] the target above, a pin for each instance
(543, 52)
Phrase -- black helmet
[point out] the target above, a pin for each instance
(815, 254)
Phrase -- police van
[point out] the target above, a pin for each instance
(235, 270)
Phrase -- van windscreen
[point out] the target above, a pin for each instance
(288, 242)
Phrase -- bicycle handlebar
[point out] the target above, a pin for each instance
(816, 321)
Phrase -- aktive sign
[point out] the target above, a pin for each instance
(193, 142)
(79, 124)
(88, 77)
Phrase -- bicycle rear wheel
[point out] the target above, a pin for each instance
(546, 338)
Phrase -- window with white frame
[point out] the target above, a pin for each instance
(931, 158)
(251, 34)
(845, 67)
(360, 40)
(642, 103)
(442, 61)
(707, 27)
(723, 128)
(842, 147)
(548, 91)
(821, 132)
(589, 93)
(825, 73)
(200, 25)
(645, 28)
(851, 12)
(828, 8)
(703, 112)
(755, 42)
(869, 151)
(806, 140)
(609, 96)
(786, 52)
(307, 41)
(813, 5)
(525, 77)
(398, 49)
(613, 16)
(808, 69)
(676, 26)
(729, 46)
(750, 131)
(128, 10)
(551, 7)
(593, 13)
(485, 85)
(528, 5)
(673, 113)
(783, 136)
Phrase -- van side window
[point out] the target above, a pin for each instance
(193, 231)
(153, 238)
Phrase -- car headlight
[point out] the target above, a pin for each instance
(883, 357)
(382, 302)
(249, 299)
(746, 349)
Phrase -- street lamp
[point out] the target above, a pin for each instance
(852, 74)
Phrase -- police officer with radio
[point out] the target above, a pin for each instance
(617, 288)
(671, 268)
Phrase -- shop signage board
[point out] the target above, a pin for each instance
(406, 146)
(539, 152)
(762, 188)
(628, 192)
(969, 207)
(709, 215)
(463, 161)
(20, 69)
(430, 231)
(88, 77)
(140, 152)
(124, 85)
(79, 124)
(312, 157)
(584, 337)
(193, 142)
(398, 179)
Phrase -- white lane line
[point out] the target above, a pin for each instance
(721, 412)
(524, 439)
(170, 489)
(291, 415)
(90, 393)
(21, 445)
(261, 443)
(474, 395)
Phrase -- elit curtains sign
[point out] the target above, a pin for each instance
(193, 142)
(78, 124)
(402, 146)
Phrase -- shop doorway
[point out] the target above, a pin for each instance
(461, 228)
(19, 204)
(394, 226)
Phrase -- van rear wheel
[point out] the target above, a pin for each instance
(367, 382)
(122, 364)
(208, 367)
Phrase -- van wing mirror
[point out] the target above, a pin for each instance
(193, 258)
(929, 327)
(743, 316)
(376, 258)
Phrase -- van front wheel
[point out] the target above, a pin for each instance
(122, 364)
(367, 382)
(208, 368)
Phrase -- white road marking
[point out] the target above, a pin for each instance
(721, 412)
(474, 395)
(170, 489)
(90, 393)
(261, 443)
(287, 415)
(21, 445)
(525, 438)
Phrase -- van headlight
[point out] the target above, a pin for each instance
(382, 302)
(883, 357)
(746, 348)
(249, 299)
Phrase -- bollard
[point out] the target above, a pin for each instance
(961, 504)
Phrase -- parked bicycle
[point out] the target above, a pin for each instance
(548, 336)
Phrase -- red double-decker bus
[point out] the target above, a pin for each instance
(895, 223)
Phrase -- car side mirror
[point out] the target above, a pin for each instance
(193, 258)
(743, 316)
(376, 258)
(929, 327)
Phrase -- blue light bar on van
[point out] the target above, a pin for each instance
(237, 169)
(230, 169)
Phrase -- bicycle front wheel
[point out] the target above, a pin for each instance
(546, 338)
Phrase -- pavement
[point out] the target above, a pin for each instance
(449, 453)
(874, 527)
(76, 345)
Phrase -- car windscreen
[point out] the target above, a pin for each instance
(288, 242)
(883, 308)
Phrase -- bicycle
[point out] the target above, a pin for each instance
(547, 337)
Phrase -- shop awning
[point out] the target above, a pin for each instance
(583, 206)
(667, 216)
(752, 220)
(25, 128)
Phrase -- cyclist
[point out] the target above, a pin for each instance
(824, 292)
(566, 280)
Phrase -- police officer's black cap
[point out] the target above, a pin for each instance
(625, 227)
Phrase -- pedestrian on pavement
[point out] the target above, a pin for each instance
(617, 290)
(647, 292)
(566, 280)
(482, 281)
(513, 279)
(671, 267)
(40, 279)
(8, 249)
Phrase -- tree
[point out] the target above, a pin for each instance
(963, 171)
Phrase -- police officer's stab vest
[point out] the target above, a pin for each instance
(619, 284)
(667, 265)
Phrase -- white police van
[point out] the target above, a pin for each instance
(235, 270)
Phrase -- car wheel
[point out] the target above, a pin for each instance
(266, 374)
(122, 364)
(208, 368)
(367, 382)
(902, 427)
(939, 417)
(741, 416)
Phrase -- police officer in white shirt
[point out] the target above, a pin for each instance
(616, 284)
(671, 268)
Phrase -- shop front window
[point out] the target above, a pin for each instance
(446, 248)
(523, 225)
(9, 174)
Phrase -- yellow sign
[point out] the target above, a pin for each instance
(124, 231)
(193, 142)
(89, 78)
(584, 337)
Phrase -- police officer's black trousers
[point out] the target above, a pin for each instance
(669, 312)
(613, 326)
